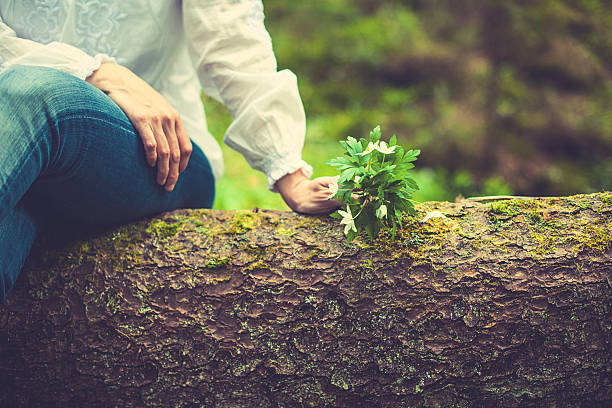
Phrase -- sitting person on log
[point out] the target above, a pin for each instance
(102, 121)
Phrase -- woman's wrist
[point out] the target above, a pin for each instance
(100, 77)
(288, 184)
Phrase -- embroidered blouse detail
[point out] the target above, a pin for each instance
(175, 46)
(98, 23)
(42, 22)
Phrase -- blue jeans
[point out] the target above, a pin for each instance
(67, 151)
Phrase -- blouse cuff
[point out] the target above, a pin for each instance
(281, 167)
(87, 69)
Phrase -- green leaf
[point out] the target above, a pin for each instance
(375, 134)
(348, 174)
(371, 222)
(393, 140)
(388, 168)
(353, 146)
(342, 195)
(403, 205)
(340, 162)
(411, 183)
(351, 235)
(411, 155)
(379, 177)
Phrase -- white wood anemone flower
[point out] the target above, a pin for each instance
(384, 149)
(333, 189)
(381, 211)
(379, 146)
(371, 147)
(347, 218)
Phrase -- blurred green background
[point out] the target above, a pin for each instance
(502, 97)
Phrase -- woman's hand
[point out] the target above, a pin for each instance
(307, 196)
(165, 140)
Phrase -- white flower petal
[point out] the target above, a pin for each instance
(384, 149)
(333, 188)
(381, 211)
(371, 147)
(350, 225)
(347, 218)
(346, 214)
(433, 214)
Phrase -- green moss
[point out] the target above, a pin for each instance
(606, 198)
(123, 243)
(217, 263)
(367, 264)
(163, 230)
(285, 232)
(257, 265)
(242, 222)
(511, 208)
(310, 299)
(129, 331)
(144, 310)
(505, 207)
(339, 379)
(314, 253)
(582, 201)
(415, 239)
(113, 301)
(534, 216)
(202, 230)
(600, 239)
(549, 234)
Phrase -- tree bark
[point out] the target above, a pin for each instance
(505, 303)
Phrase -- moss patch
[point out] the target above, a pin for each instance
(242, 222)
(505, 207)
(163, 230)
(600, 239)
(216, 263)
(606, 198)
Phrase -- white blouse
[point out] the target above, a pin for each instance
(172, 44)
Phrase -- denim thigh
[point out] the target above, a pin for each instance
(87, 160)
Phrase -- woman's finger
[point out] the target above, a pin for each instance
(175, 153)
(326, 180)
(148, 141)
(184, 144)
(163, 153)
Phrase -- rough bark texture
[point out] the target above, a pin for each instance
(501, 304)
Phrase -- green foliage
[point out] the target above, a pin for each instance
(510, 91)
(374, 183)
(507, 97)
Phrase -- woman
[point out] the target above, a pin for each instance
(99, 105)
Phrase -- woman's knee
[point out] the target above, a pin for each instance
(55, 92)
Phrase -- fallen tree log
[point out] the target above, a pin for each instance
(505, 303)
